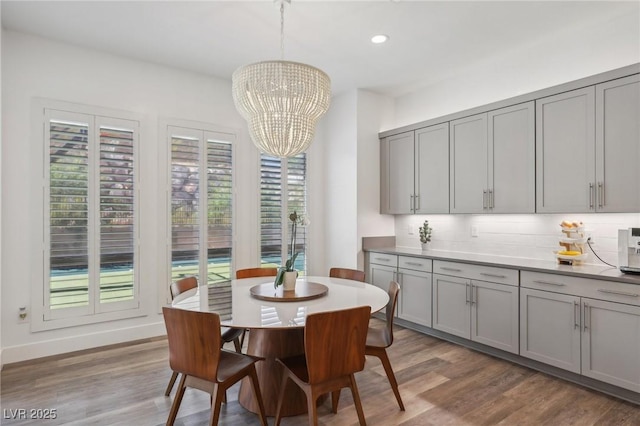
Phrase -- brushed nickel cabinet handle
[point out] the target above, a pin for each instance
(587, 316)
(484, 199)
(444, 268)
(466, 293)
(549, 283)
(491, 206)
(382, 259)
(590, 195)
(414, 263)
(576, 315)
(417, 201)
(619, 293)
(485, 274)
(411, 202)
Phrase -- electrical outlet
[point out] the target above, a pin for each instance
(474, 231)
(23, 315)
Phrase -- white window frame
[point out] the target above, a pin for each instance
(205, 131)
(44, 318)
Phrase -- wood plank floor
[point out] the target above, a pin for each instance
(441, 384)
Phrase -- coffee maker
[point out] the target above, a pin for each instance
(629, 250)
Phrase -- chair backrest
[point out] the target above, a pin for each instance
(334, 342)
(256, 272)
(350, 274)
(394, 289)
(194, 342)
(182, 285)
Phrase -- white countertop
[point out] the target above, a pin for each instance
(526, 264)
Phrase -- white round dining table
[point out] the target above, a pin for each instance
(276, 327)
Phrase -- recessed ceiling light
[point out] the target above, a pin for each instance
(379, 38)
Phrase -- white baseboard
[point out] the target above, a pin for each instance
(13, 354)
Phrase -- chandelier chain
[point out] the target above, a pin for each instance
(282, 31)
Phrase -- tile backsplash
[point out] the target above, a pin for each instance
(533, 236)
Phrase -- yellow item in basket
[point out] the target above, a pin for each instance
(569, 253)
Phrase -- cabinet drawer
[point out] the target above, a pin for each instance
(383, 259)
(477, 272)
(583, 287)
(414, 263)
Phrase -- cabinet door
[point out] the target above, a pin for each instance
(512, 159)
(618, 145)
(451, 298)
(432, 169)
(400, 172)
(415, 296)
(611, 343)
(381, 275)
(468, 167)
(565, 152)
(550, 328)
(494, 315)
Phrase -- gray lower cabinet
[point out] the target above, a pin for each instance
(481, 311)
(564, 325)
(550, 328)
(414, 301)
(611, 343)
(383, 268)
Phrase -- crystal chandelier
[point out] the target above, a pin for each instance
(281, 101)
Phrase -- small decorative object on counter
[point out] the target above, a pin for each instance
(425, 235)
(287, 274)
(572, 243)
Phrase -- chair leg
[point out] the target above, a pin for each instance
(237, 345)
(356, 400)
(283, 385)
(219, 394)
(312, 407)
(392, 377)
(335, 398)
(172, 380)
(176, 401)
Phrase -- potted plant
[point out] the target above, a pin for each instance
(425, 235)
(287, 274)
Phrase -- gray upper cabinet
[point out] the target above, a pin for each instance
(396, 186)
(468, 164)
(565, 151)
(512, 173)
(415, 171)
(432, 169)
(617, 180)
(493, 161)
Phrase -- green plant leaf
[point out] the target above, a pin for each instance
(279, 277)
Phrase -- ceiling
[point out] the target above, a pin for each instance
(428, 40)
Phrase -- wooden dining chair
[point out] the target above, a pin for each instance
(253, 273)
(350, 274)
(334, 346)
(256, 272)
(378, 340)
(195, 352)
(228, 335)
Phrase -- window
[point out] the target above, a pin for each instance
(201, 204)
(90, 214)
(283, 190)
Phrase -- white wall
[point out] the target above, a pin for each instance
(373, 112)
(594, 47)
(33, 67)
(341, 183)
